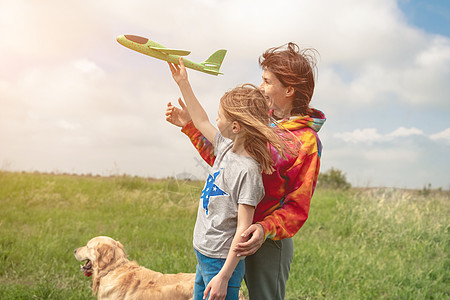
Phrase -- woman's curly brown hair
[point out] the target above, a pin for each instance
(296, 68)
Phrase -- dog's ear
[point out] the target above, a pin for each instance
(120, 251)
(105, 254)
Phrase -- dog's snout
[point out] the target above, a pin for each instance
(75, 251)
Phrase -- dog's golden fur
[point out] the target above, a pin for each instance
(115, 277)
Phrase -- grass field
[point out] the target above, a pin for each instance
(357, 244)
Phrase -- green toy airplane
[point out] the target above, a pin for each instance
(153, 49)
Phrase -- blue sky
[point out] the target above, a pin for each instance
(430, 15)
(73, 100)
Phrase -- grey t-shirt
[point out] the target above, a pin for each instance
(233, 180)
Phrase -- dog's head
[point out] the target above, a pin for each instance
(100, 253)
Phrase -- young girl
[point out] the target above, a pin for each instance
(234, 186)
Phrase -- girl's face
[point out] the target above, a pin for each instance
(277, 93)
(223, 124)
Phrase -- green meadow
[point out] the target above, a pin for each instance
(356, 244)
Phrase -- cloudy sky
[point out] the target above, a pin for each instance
(74, 100)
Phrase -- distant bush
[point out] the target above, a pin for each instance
(334, 179)
(428, 191)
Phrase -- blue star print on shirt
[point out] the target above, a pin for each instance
(211, 189)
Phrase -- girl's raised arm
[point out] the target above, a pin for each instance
(195, 109)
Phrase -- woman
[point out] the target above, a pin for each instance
(288, 84)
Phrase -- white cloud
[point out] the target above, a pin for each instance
(403, 132)
(420, 78)
(64, 124)
(443, 135)
(368, 135)
(436, 54)
(87, 66)
(371, 135)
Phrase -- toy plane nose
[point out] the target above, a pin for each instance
(136, 39)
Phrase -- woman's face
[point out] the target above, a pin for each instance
(276, 92)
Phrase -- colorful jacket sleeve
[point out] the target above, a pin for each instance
(287, 219)
(203, 146)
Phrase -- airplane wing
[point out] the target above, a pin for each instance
(171, 51)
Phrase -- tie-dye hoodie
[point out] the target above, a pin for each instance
(288, 190)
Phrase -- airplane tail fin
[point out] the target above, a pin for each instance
(213, 63)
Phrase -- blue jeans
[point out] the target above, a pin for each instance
(208, 267)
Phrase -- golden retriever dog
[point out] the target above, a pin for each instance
(115, 277)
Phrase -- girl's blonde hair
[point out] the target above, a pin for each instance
(247, 105)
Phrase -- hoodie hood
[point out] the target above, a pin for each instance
(315, 121)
